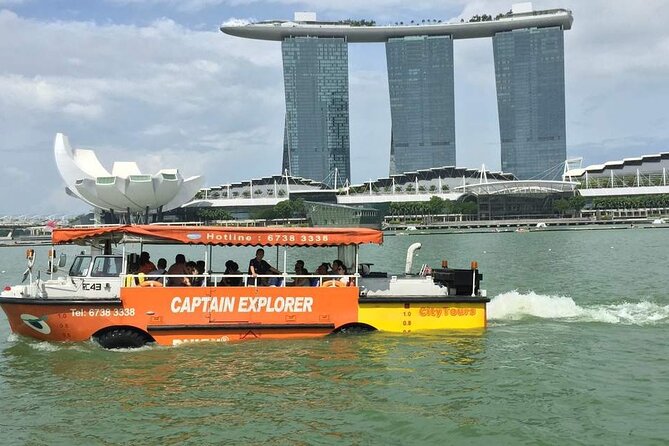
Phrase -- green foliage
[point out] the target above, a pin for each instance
(435, 206)
(283, 209)
(359, 22)
(208, 214)
(631, 202)
(577, 202)
(561, 205)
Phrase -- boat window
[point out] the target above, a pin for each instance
(107, 267)
(80, 266)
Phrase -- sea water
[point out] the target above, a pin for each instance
(576, 352)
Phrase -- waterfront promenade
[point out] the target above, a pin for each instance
(531, 224)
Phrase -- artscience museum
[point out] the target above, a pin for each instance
(124, 190)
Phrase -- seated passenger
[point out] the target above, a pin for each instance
(339, 269)
(161, 269)
(335, 266)
(259, 267)
(231, 268)
(131, 278)
(178, 268)
(301, 271)
(193, 272)
(322, 270)
(145, 265)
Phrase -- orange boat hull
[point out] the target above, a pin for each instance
(188, 314)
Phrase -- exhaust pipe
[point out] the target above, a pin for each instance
(413, 248)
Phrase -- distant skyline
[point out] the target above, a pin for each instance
(155, 81)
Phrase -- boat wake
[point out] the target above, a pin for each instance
(516, 306)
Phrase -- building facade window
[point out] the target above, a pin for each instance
(529, 71)
(422, 105)
(316, 136)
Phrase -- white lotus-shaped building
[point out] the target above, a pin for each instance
(125, 188)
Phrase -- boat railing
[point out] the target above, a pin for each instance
(215, 280)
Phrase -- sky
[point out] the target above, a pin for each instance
(156, 82)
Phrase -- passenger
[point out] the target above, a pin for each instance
(178, 268)
(161, 269)
(201, 266)
(145, 265)
(322, 270)
(133, 269)
(192, 271)
(198, 270)
(336, 265)
(231, 268)
(340, 270)
(301, 271)
(259, 267)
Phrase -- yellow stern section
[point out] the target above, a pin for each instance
(405, 317)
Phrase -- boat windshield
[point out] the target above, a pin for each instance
(80, 266)
(107, 266)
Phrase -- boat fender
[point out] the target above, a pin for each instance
(333, 283)
(151, 284)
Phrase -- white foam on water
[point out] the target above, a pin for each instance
(13, 337)
(45, 346)
(515, 306)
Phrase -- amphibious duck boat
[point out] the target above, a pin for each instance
(99, 299)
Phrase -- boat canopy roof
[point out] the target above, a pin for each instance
(219, 235)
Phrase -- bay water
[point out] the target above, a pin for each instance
(576, 352)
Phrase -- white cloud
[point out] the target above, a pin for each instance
(135, 93)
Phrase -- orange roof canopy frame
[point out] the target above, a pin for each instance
(227, 236)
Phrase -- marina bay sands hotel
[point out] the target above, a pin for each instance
(528, 48)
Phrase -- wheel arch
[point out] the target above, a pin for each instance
(354, 327)
(133, 328)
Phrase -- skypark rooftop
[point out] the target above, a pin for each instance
(279, 30)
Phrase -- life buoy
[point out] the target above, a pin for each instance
(333, 284)
(151, 284)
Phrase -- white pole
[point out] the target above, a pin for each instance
(335, 179)
(664, 176)
(287, 186)
(357, 274)
(285, 267)
(638, 178)
(611, 178)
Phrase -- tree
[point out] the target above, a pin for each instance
(561, 206)
(435, 206)
(208, 214)
(577, 202)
